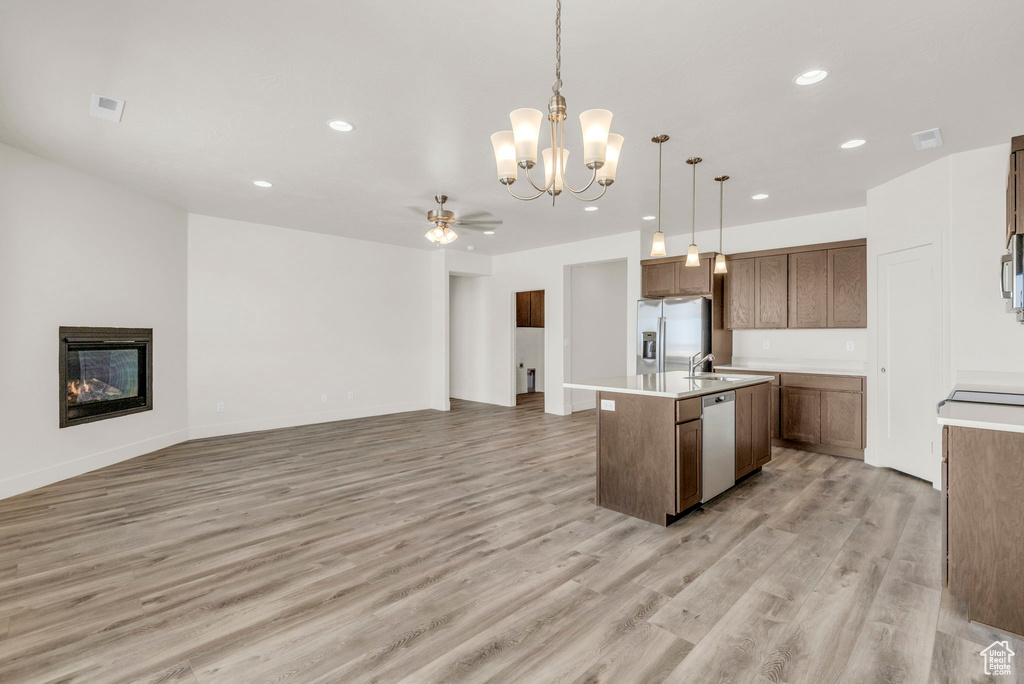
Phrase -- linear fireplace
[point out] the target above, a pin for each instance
(104, 373)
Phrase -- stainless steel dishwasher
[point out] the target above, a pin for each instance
(718, 446)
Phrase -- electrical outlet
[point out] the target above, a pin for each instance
(220, 407)
(849, 346)
(323, 398)
(351, 396)
(766, 344)
(607, 404)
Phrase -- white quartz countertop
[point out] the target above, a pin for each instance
(769, 367)
(983, 416)
(673, 384)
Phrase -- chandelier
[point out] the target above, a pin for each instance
(517, 149)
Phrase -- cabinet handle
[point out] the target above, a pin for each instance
(883, 370)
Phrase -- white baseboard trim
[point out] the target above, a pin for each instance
(26, 482)
(273, 423)
(585, 405)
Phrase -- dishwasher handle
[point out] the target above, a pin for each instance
(716, 399)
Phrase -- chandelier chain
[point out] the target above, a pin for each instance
(557, 85)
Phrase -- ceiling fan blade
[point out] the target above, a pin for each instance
(475, 215)
(474, 227)
(479, 223)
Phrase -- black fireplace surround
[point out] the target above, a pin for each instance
(104, 373)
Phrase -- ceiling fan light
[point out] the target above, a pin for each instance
(595, 124)
(693, 256)
(658, 245)
(430, 235)
(606, 174)
(720, 266)
(450, 235)
(504, 145)
(559, 174)
(526, 132)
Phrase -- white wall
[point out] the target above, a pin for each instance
(598, 332)
(467, 353)
(529, 354)
(75, 250)
(279, 317)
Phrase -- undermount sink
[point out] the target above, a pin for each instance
(718, 377)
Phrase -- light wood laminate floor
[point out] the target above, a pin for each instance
(465, 546)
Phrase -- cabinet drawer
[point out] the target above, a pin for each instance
(688, 409)
(825, 382)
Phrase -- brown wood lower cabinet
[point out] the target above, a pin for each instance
(983, 525)
(688, 464)
(841, 419)
(753, 436)
(801, 415)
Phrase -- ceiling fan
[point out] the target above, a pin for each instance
(443, 220)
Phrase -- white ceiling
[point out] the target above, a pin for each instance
(222, 93)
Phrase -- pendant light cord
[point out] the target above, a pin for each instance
(721, 208)
(693, 209)
(659, 185)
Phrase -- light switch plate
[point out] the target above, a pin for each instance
(849, 346)
(607, 404)
(766, 344)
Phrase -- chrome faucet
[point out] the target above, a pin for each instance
(695, 361)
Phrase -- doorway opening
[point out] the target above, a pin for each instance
(529, 351)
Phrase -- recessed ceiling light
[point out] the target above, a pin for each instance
(339, 125)
(759, 195)
(591, 208)
(649, 218)
(488, 232)
(263, 184)
(469, 247)
(811, 77)
(850, 144)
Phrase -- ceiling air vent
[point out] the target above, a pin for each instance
(106, 108)
(926, 140)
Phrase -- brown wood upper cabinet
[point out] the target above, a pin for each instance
(530, 309)
(848, 287)
(808, 281)
(813, 286)
(1015, 189)
(671, 277)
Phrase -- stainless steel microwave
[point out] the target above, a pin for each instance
(1011, 275)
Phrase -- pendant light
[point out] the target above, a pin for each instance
(658, 245)
(720, 266)
(693, 254)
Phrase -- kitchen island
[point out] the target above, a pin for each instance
(667, 442)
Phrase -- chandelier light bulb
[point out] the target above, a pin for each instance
(606, 174)
(526, 131)
(554, 178)
(504, 145)
(595, 124)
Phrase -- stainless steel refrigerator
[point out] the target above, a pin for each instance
(670, 331)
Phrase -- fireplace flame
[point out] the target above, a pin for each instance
(81, 391)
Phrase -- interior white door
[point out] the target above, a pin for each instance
(909, 329)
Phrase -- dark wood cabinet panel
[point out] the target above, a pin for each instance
(693, 280)
(522, 309)
(760, 417)
(744, 421)
(739, 294)
(688, 409)
(985, 524)
(1019, 191)
(841, 419)
(848, 287)
(774, 400)
(537, 309)
(808, 289)
(770, 291)
(688, 464)
(659, 280)
(530, 309)
(801, 414)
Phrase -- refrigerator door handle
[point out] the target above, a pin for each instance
(662, 327)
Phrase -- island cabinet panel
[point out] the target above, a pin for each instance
(801, 415)
(659, 280)
(808, 289)
(739, 294)
(1015, 189)
(688, 464)
(985, 524)
(848, 287)
(693, 281)
(753, 441)
(770, 310)
(841, 419)
(637, 456)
